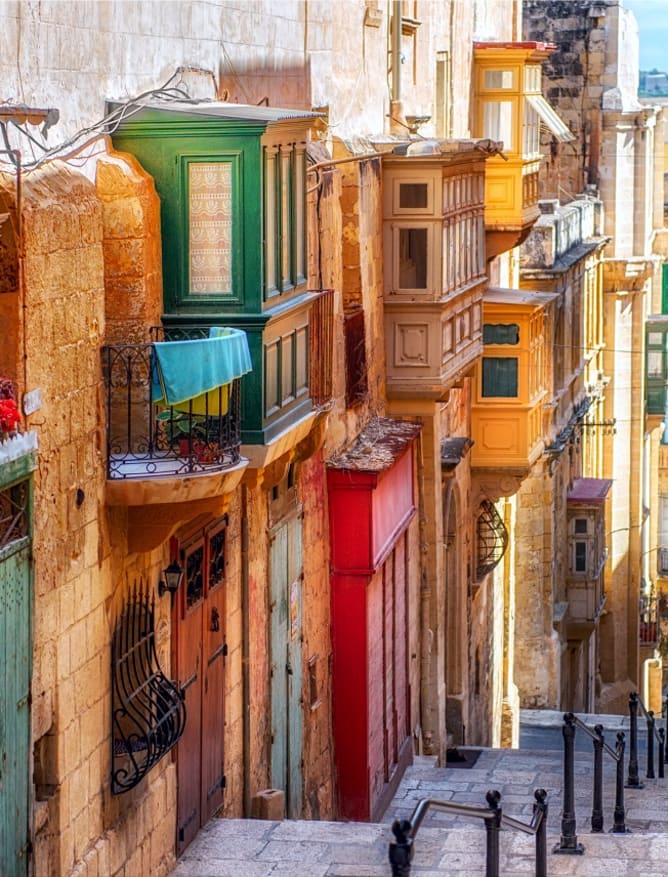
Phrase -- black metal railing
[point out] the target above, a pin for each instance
(655, 734)
(149, 439)
(569, 843)
(148, 711)
(402, 848)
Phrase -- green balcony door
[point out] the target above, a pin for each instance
(286, 662)
(15, 667)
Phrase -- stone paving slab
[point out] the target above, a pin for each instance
(448, 845)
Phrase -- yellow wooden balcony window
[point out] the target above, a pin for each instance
(510, 108)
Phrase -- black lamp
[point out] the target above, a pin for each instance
(173, 576)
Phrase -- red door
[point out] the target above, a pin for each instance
(200, 661)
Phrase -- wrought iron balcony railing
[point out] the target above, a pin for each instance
(149, 439)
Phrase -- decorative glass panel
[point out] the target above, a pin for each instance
(412, 258)
(498, 122)
(498, 78)
(217, 557)
(499, 376)
(501, 333)
(195, 576)
(210, 227)
(654, 363)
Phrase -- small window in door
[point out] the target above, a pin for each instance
(195, 576)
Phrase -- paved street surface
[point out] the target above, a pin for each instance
(448, 845)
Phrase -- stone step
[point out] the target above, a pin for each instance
(445, 844)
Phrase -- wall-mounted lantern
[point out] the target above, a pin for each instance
(172, 578)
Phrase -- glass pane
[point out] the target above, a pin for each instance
(286, 227)
(654, 364)
(581, 525)
(210, 227)
(499, 376)
(413, 195)
(655, 339)
(195, 577)
(501, 333)
(531, 145)
(498, 78)
(532, 77)
(498, 122)
(580, 557)
(300, 232)
(270, 222)
(412, 258)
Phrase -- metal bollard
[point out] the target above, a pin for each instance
(569, 841)
(632, 781)
(662, 751)
(401, 849)
(650, 745)
(541, 835)
(597, 805)
(619, 825)
(492, 829)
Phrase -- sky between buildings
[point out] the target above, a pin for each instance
(652, 18)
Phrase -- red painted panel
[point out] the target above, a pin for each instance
(350, 687)
(393, 506)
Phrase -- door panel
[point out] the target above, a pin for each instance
(201, 652)
(15, 663)
(286, 661)
(191, 610)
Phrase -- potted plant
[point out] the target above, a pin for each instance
(191, 434)
(10, 416)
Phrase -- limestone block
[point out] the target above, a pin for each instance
(268, 804)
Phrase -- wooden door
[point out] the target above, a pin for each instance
(286, 662)
(15, 667)
(200, 659)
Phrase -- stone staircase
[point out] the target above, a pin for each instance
(454, 845)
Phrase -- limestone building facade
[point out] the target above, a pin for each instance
(293, 404)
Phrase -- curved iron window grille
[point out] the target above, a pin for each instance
(492, 538)
(148, 711)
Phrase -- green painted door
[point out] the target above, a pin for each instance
(15, 665)
(286, 662)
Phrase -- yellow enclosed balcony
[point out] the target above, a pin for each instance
(509, 107)
(510, 383)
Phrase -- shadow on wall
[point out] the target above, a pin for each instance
(273, 85)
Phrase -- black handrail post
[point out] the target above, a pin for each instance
(492, 830)
(632, 781)
(650, 745)
(597, 805)
(662, 751)
(401, 848)
(569, 841)
(541, 835)
(619, 825)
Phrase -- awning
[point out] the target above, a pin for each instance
(589, 490)
(550, 118)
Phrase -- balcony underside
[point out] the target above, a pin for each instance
(157, 506)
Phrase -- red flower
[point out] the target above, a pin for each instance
(9, 415)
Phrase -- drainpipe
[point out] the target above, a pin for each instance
(245, 650)
(425, 603)
(396, 106)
